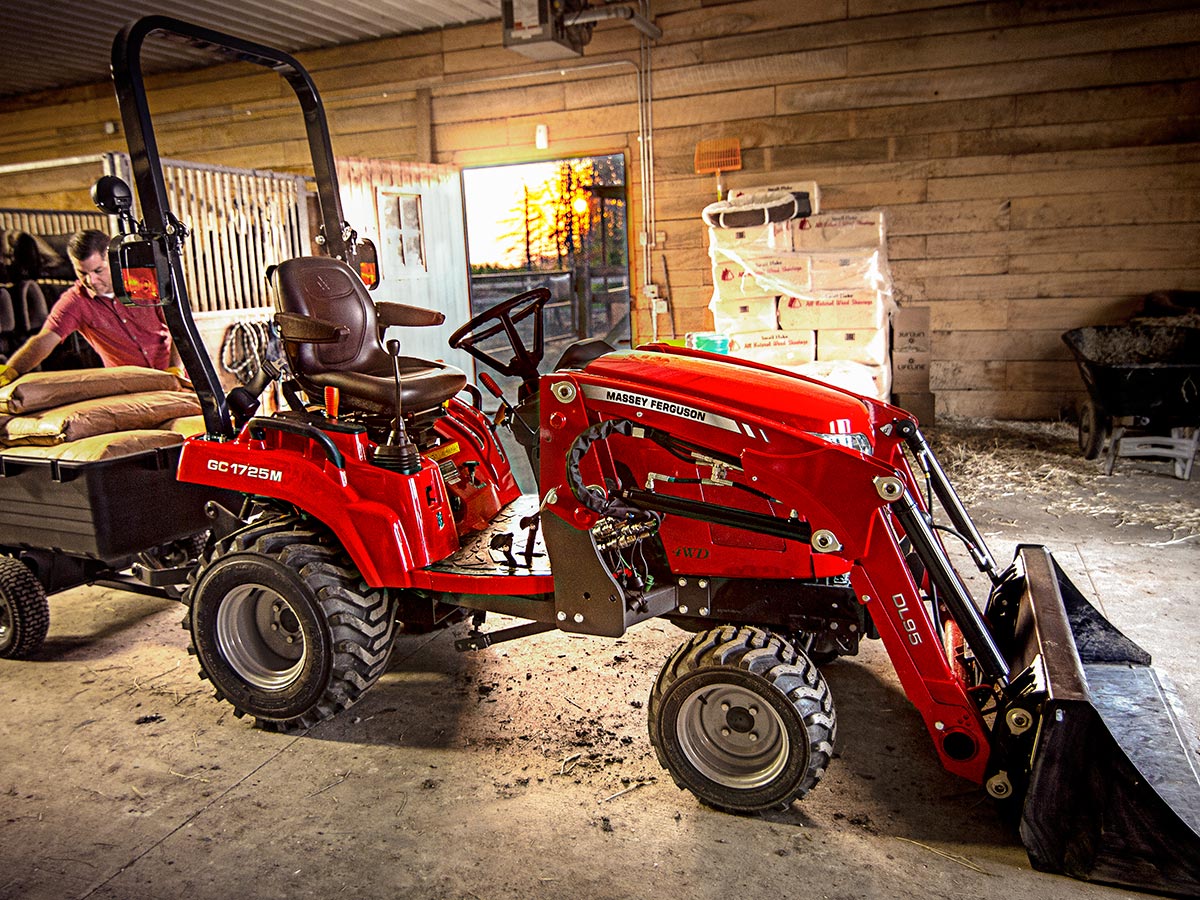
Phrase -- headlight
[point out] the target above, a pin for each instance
(856, 441)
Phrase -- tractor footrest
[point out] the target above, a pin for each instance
(503, 548)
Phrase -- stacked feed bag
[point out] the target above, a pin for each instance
(87, 415)
(808, 291)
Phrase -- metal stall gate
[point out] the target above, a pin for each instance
(239, 222)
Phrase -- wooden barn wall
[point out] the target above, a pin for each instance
(1038, 161)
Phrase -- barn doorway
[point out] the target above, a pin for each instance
(561, 224)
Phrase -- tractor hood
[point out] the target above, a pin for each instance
(751, 395)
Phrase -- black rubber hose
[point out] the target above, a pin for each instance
(595, 501)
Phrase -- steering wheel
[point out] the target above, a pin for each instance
(503, 317)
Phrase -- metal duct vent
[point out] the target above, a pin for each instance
(539, 29)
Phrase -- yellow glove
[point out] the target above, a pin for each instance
(181, 373)
(8, 374)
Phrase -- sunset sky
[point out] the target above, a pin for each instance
(492, 196)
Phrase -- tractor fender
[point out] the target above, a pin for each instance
(386, 541)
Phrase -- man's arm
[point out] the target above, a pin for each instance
(29, 356)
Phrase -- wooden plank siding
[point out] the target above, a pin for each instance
(1039, 162)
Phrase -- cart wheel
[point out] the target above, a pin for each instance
(284, 626)
(24, 611)
(742, 720)
(1094, 429)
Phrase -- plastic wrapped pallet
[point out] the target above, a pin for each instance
(872, 381)
(854, 268)
(827, 274)
(775, 348)
(98, 446)
(746, 314)
(765, 240)
(740, 274)
(846, 308)
(862, 345)
(838, 231)
(808, 188)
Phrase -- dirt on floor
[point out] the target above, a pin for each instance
(524, 770)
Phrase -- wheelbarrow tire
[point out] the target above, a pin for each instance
(284, 626)
(1094, 429)
(24, 611)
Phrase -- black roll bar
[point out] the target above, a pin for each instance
(152, 192)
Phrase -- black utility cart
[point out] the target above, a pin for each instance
(123, 522)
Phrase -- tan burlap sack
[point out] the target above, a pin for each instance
(99, 446)
(185, 425)
(43, 390)
(99, 416)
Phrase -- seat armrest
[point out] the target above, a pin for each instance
(406, 316)
(308, 330)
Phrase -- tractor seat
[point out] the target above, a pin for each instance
(332, 329)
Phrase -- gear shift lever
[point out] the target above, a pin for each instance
(398, 453)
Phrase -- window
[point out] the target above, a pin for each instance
(559, 224)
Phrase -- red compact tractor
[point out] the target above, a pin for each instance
(778, 519)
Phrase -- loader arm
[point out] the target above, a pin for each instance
(884, 584)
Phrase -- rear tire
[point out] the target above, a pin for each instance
(742, 720)
(24, 610)
(283, 625)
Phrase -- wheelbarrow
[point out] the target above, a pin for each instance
(1144, 378)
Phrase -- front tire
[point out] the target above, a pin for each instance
(283, 625)
(742, 720)
(24, 610)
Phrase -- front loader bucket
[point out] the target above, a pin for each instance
(1113, 791)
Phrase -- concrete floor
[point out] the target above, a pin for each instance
(524, 771)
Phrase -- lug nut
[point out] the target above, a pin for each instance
(999, 786)
(724, 732)
(1019, 720)
(753, 736)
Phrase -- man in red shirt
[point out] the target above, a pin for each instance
(121, 335)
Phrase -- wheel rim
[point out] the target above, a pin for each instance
(259, 636)
(732, 736)
(6, 623)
